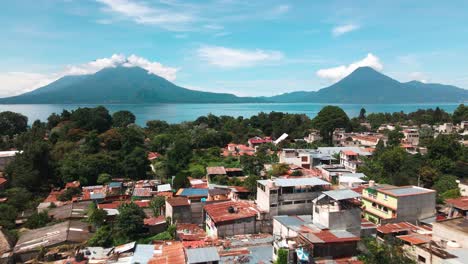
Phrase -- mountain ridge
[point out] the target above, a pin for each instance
(136, 85)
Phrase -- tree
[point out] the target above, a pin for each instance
(96, 216)
(329, 119)
(19, 198)
(379, 253)
(251, 183)
(362, 114)
(460, 114)
(279, 169)
(394, 138)
(104, 178)
(68, 194)
(136, 164)
(180, 181)
(445, 146)
(97, 118)
(53, 120)
(157, 204)
(129, 223)
(123, 118)
(8, 216)
(37, 220)
(102, 237)
(282, 256)
(179, 155)
(427, 175)
(161, 143)
(92, 143)
(12, 123)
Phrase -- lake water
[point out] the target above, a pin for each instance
(175, 113)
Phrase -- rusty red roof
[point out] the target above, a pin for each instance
(415, 239)
(396, 228)
(153, 155)
(259, 140)
(73, 184)
(178, 201)
(349, 153)
(3, 180)
(154, 220)
(168, 252)
(219, 212)
(460, 202)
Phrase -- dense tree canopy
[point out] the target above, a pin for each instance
(12, 123)
(329, 119)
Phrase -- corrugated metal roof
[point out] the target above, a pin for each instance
(201, 255)
(343, 194)
(406, 190)
(164, 188)
(293, 222)
(193, 192)
(300, 182)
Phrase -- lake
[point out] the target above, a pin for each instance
(175, 113)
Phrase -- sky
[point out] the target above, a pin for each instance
(248, 48)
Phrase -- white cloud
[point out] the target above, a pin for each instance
(338, 73)
(340, 30)
(141, 13)
(418, 76)
(14, 83)
(234, 58)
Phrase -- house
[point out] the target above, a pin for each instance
(190, 232)
(351, 158)
(257, 141)
(3, 183)
(236, 150)
(70, 232)
(331, 173)
(178, 209)
(305, 158)
(369, 141)
(463, 186)
(313, 136)
(338, 210)
(389, 204)
(351, 180)
(452, 232)
(288, 196)
(142, 193)
(411, 136)
(218, 194)
(96, 193)
(215, 171)
(5, 247)
(196, 197)
(445, 128)
(166, 252)
(155, 224)
(458, 207)
(230, 218)
(76, 210)
(6, 157)
(206, 255)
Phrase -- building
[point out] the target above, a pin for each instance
(411, 136)
(257, 141)
(458, 207)
(207, 255)
(313, 136)
(231, 218)
(445, 128)
(196, 198)
(338, 210)
(66, 233)
(452, 231)
(178, 209)
(76, 210)
(463, 186)
(238, 150)
(389, 204)
(351, 158)
(331, 173)
(305, 158)
(6, 157)
(6, 247)
(289, 196)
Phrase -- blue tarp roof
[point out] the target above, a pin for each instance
(194, 192)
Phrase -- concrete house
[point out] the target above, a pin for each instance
(289, 196)
(305, 158)
(178, 209)
(390, 204)
(231, 218)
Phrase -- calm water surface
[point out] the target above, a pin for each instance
(175, 113)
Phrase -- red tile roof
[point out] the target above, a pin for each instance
(215, 170)
(190, 232)
(349, 153)
(259, 140)
(73, 184)
(153, 155)
(142, 192)
(460, 203)
(218, 212)
(3, 181)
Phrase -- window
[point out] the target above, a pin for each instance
(304, 159)
(287, 203)
(273, 191)
(299, 202)
(273, 205)
(385, 197)
(421, 259)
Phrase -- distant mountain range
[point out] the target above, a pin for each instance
(135, 85)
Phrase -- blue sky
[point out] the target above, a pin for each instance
(241, 47)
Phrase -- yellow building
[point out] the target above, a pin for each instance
(386, 204)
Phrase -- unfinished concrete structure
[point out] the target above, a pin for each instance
(289, 196)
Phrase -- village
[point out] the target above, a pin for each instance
(312, 206)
